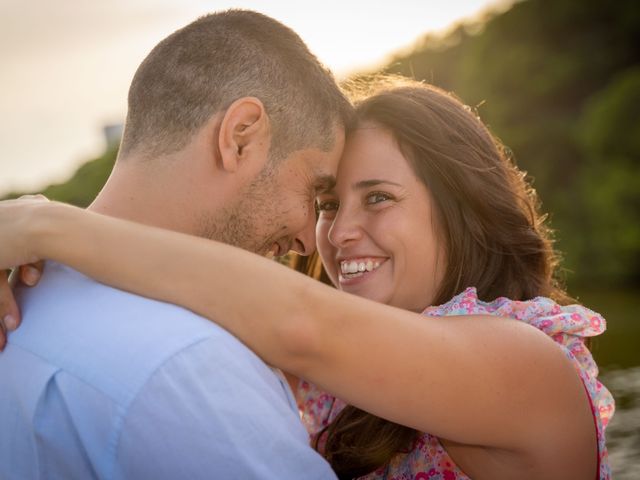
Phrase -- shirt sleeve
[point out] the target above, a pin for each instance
(215, 410)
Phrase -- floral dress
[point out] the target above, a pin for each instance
(568, 326)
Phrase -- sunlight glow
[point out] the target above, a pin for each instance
(67, 64)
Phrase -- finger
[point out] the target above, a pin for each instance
(3, 336)
(9, 313)
(13, 278)
(30, 274)
(37, 196)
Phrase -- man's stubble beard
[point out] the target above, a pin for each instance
(250, 222)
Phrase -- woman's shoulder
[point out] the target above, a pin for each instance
(561, 322)
(567, 325)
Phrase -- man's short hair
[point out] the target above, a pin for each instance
(202, 68)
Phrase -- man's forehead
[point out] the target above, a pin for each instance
(322, 166)
(324, 170)
(332, 158)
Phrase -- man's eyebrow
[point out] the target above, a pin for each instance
(325, 183)
(372, 183)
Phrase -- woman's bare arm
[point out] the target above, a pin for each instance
(476, 380)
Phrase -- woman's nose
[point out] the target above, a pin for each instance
(346, 228)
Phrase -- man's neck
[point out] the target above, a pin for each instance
(160, 199)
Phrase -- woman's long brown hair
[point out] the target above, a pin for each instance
(488, 220)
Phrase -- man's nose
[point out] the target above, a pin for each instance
(305, 241)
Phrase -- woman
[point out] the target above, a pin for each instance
(428, 219)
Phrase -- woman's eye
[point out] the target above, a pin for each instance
(377, 197)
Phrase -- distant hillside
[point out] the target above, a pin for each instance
(558, 81)
(83, 185)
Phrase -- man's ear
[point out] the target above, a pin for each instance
(244, 136)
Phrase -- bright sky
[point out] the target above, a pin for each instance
(67, 64)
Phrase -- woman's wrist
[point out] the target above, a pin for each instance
(46, 224)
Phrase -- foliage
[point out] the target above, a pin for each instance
(557, 81)
(610, 186)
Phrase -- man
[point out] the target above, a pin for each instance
(232, 128)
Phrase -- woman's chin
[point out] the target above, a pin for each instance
(368, 293)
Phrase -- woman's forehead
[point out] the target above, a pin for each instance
(371, 151)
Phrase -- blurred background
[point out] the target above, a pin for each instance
(558, 81)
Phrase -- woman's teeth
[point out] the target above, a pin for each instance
(354, 268)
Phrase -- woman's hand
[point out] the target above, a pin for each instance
(17, 221)
(14, 251)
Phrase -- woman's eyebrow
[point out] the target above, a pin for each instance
(362, 184)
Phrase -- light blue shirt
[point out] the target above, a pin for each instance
(100, 383)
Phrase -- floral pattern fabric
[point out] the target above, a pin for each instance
(568, 326)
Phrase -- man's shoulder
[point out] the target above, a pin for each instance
(96, 332)
(142, 379)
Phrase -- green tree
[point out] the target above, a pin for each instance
(610, 138)
(532, 72)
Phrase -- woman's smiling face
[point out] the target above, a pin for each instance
(377, 231)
